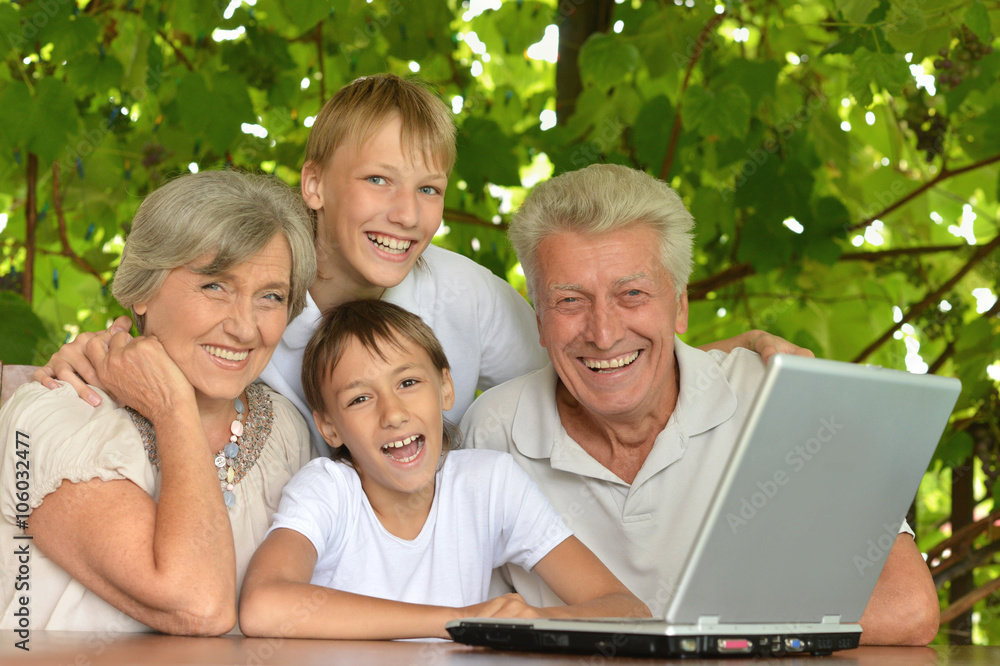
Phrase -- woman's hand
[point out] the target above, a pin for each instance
(71, 365)
(764, 343)
(141, 375)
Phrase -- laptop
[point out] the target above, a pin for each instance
(806, 512)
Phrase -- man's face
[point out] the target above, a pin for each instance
(607, 314)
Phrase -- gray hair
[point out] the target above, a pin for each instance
(599, 199)
(228, 214)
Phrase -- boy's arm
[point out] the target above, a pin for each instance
(277, 599)
(588, 588)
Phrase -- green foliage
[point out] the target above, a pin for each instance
(834, 193)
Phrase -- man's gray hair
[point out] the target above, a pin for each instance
(599, 199)
(229, 215)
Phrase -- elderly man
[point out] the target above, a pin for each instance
(629, 429)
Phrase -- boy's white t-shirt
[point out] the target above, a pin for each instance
(486, 512)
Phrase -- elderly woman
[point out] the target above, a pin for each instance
(146, 516)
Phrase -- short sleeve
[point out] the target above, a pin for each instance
(315, 503)
(510, 346)
(54, 436)
(530, 527)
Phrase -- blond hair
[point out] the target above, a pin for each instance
(599, 199)
(364, 106)
(227, 214)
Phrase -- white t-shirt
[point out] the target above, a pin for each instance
(486, 328)
(486, 512)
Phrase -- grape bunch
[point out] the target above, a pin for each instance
(959, 62)
(928, 124)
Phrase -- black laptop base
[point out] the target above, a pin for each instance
(529, 638)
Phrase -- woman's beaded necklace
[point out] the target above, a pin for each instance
(255, 420)
(225, 461)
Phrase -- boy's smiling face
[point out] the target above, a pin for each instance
(378, 209)
(387, 412)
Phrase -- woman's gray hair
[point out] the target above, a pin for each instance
(228, 214)
(596, 200)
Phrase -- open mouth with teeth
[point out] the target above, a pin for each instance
(226, 354)
(611, 364)
(404, 450)
(389, 244)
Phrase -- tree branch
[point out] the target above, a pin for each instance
(902, 251)
(931, 298)
(944, 175)
(949, 350)
(177, 50)
(63, 236)
(966, 602)
(976, 558)
(962, 538)
(31, 216)
(468, 218)
(675, 132)
(698, 290)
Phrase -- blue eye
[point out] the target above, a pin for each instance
(376, 180)
(277, 298)
(430, 190)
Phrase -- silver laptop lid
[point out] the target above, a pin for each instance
(810, 504)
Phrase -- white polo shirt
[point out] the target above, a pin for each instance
(644, 530)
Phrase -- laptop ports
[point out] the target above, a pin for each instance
(734, 645)
(794, 644)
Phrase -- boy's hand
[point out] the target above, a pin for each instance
(507, 605)
(71, 365)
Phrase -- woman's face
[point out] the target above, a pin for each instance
(221, 330)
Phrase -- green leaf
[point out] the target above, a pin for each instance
(606, 60)
(954, 451)
(17, 129)
(756, 78)
(10, 30)
(905, 18)
(91, 71)
(886, 71)
(56, 109)
(305, 14)
(20, 329)
(651, 133)
(856, 11)
(486, 155)
(522, 24)
(215, 113)
(977, 17)
(722, 114)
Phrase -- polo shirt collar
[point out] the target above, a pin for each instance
(705, 401)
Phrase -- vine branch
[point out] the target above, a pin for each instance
(930, 298)
(468, 218)
(675, 132)
(944, 175)
(177, 50)
(67, 250)
(31, 217)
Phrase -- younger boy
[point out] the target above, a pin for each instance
(396, 536)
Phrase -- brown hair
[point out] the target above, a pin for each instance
(364, 106)
(374, 324)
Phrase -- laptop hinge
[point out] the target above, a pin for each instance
(831, 619)
(708, 620)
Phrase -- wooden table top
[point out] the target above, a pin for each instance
(85, 649)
